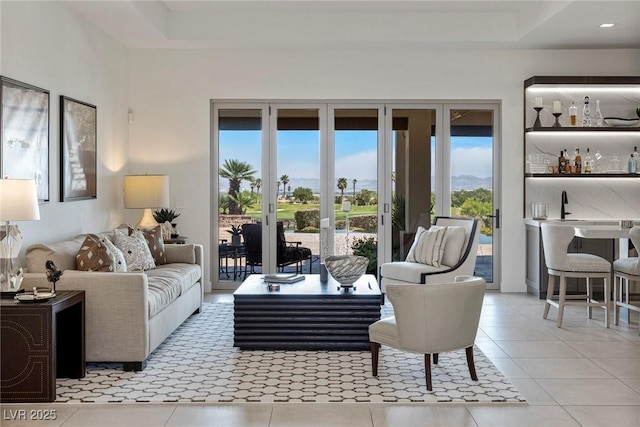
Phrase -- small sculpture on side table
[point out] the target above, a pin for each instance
(53, 274)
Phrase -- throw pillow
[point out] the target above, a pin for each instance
(428, 246)
(94, 255)
(455, 237)
(135, 249)
(118, 257)
(154, 240)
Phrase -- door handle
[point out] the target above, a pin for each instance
(497, 217)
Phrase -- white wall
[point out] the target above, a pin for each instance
(171, 90)
(46, 45)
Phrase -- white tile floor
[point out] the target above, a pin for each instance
(582, 374)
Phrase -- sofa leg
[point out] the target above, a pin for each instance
(134, 366)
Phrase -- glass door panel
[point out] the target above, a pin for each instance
(412, 175)
(240, 186)
(355, 182)
(298, 189)
(472, 148)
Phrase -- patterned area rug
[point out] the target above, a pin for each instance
(198, 363)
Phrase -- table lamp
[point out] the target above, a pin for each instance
(146, 192)
(18, 202)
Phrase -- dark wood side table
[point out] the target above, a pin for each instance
(41, 341)
(180, 240)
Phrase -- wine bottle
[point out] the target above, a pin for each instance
(577, 161)
(598, 120)
(631, 165)
(586, 113)
(573, 113)
(636, 156)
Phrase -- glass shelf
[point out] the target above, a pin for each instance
(581, 129)
(584, 175)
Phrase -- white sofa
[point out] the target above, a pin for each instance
(127, 315)
(458, 260)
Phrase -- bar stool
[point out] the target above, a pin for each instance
(555, 240)
(626, 270)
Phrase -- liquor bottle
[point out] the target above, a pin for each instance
(586, 113)
(631, 165)
(587, 163)
(573, 113)
(598, 120)
(562, 162)
(577, 161)
(636, 156)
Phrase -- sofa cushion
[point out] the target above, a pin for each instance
(408, 271)
(181, 253)
(63, 254)
(94, 255)
(186, 274)
(135, 249)
(168, 282)
(118, 256)
(453, 248)
(428, 246)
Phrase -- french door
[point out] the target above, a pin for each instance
(375, 170)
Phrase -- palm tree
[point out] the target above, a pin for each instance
(277, 189)
(284, 179)
(235, 171)
(258, 185)
(354, 188)
(252, 184)
(342, 185)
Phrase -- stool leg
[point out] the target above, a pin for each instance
(607, 292)
(561, 299)
(550, 290)
(589, 298)
(616, 309)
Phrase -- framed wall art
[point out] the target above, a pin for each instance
(78, 139)
(24, 132)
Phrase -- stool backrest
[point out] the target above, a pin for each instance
(556, 239)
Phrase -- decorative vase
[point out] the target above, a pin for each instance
(324, 274)
(235, 239)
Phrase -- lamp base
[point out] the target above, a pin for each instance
(147, 220)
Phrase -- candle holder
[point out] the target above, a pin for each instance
(557, 124)
(537, 123)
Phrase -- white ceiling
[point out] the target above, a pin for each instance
(361, 23)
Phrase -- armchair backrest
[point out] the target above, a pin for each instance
(436, 318)
(470, 246)
(253, 242)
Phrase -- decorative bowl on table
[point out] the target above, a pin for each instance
(346, 269)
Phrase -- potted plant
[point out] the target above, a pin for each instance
(235, 232)
(167, 215)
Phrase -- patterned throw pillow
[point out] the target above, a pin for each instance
(118, 257)
(428, 246)
(155, 242)
(135, 250)
(94, 255)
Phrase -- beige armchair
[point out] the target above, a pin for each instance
(431, 319)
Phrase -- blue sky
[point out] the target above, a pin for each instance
(298, 153)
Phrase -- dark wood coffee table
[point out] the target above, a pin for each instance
(307, 315)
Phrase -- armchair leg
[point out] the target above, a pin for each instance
(375, 349)
(427, 370)
(471, 363)
(435, 358)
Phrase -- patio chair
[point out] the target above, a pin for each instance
(289, 253)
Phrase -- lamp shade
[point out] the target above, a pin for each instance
(18, 200)
(146, 191)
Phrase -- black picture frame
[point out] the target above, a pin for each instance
(78, 150)
(24, 133)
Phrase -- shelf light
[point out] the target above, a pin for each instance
(607, 25)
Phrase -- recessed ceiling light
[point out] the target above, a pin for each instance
(606, 25)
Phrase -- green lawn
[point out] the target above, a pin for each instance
(286, 211)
